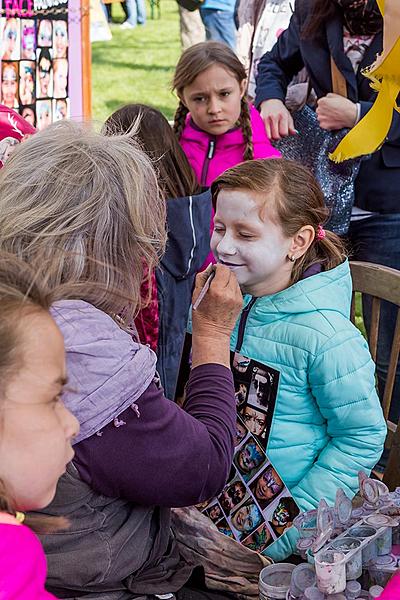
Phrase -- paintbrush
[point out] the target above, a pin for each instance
(204, 289)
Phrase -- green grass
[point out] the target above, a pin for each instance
(137, 65)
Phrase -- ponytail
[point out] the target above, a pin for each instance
(40, 524)
(245, 124)
(180, 119)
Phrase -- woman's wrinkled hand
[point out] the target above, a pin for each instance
(219, 310)
(336, 112)
(277, 119)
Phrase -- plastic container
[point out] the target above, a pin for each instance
(274, 581)
(303, 577)
(330, 569)
(375, 591)
(313, 593)
(353, 589)
(363, 532)
(354, 563)
(382, 569)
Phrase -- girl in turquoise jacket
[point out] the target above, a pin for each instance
(313, 398)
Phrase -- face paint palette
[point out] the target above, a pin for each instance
(349, 548)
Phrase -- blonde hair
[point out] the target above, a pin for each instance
(297, 200)
(89, 206)
(21, 294)
(194, 61)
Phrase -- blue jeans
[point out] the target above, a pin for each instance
(219, 25)
(377, 240)
(136, 12)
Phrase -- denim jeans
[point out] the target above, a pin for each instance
(377, 240)
(220, 26)
(136, 12)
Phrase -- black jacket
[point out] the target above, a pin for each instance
(188, 245)
(378, 182)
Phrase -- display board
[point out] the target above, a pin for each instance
(45, 59)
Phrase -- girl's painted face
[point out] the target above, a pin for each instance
(254, 248)
(60, 77)
(60, 39)
(45, 33)
(246, 518)
(255, 420)
(213, 99)
(35, 428)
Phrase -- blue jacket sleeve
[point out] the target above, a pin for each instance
(342, 379)
(277, 68)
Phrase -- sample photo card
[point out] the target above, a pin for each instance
(9, 84)
(249, 458)
(60, 38)
(60, 77)
(27, 82)
(241, 431)
(256, 421)
(259, 540)
(45, 33)
(43, 114)
(267, 487)
(282, 514)
(28, 39)
(44, 87)
(245, 519)
(29, 114)
(232, 495)
(214, 512)
(61, 109)
(10, 38)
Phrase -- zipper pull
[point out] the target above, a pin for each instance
(211, 149)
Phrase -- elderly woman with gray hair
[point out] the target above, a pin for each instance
(89, 206)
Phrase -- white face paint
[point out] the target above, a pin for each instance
(255, 249)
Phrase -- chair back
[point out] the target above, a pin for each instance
(382, 283)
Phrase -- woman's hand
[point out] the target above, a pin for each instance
(215, 317)
(335, 112)
(277, 119)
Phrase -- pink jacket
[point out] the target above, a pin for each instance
(22, 564)
(392, 590)
(211, 155)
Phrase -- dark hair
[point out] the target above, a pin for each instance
(21, 293)
(322, 11)
(175, 175)
(194, 61)
(44, 53)
(297, 201)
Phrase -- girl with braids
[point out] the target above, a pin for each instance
(35, 428)
(214, 122)
(327, 423)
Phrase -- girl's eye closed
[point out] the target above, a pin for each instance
(218, 229)
(246, 235)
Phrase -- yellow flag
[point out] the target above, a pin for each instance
(370, 133)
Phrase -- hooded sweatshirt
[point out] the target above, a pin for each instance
(327, 423)
(188, 221)
(22, 564)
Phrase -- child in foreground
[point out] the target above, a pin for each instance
(35, 430)
(328, 423)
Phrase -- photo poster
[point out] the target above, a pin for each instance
(255, 507)
(36, 38)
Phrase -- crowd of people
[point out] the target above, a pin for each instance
(106, 240)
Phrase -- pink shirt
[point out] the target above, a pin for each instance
(392, 590)
(23, 563)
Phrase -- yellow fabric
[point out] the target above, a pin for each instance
(370, 133)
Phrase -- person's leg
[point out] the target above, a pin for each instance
(125, 9)
(377, 240)
(131, 10)
(191, 27)
(140, 12)
(107, 11)
(219, 25)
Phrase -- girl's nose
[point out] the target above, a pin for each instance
(214, 106)
(226, 247)
(71, 424)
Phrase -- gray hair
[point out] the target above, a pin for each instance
(85, 210)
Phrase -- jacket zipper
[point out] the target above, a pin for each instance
(242, 323)
(210, 154)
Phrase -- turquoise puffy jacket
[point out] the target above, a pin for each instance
(328, 423)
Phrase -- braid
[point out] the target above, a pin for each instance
(245, 124)
(179, 119)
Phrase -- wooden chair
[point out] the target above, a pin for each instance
(382, 283)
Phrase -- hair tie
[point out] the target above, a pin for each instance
(20, 516)
(321, 233)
